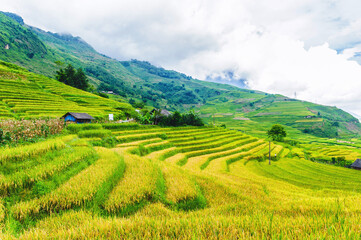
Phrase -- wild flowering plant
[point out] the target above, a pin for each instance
(30, 130)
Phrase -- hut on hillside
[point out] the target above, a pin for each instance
(158, 114)
(356, 164)
(77, 117)
(162, 112)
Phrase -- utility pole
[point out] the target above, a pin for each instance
(269, 153)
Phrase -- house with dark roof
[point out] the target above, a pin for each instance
(162, 112)
(356, 164)
(77, 117)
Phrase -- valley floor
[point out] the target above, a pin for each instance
(186, 183)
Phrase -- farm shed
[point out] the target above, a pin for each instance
(356, 164)
(77, 117)
(163, 112)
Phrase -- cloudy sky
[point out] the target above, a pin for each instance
(310, 47)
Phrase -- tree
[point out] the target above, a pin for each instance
(277, 133)
(72, 77)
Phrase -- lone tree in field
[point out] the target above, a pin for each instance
(277, 133)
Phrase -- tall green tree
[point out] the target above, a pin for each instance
(73, 77)
(277, 133)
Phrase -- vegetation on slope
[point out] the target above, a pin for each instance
(28, 95)
(255, 113)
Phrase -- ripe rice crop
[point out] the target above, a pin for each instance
(163, 154)
(97, 133)
(75, 128)
(217, 142)
(126, 126)
(2, 212)
(201, 161)
(180, 186)
(76, 192)
(48, 168)
(142, 130)
(184, 142)
(177, 159)
(140, 142)
(285, 152)
(23, 152)
(144, 197)
(138, 184)
(135, 137)
(297, 152)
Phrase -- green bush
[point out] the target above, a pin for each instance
(94, 133)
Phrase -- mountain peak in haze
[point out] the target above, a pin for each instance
(14, 16)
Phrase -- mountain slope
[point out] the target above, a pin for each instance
(28, 95)
(132, 79)
(253, 111)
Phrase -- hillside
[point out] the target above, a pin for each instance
(132, 79)
(185, 183)
(28, 95)
(255, 112)
(247, 110)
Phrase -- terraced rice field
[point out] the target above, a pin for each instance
(28, 95)
(185, 183)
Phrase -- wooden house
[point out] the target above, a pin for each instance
(356, 164)
(77, 117)
(163, 112)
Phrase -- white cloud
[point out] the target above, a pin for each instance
(279, 46)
